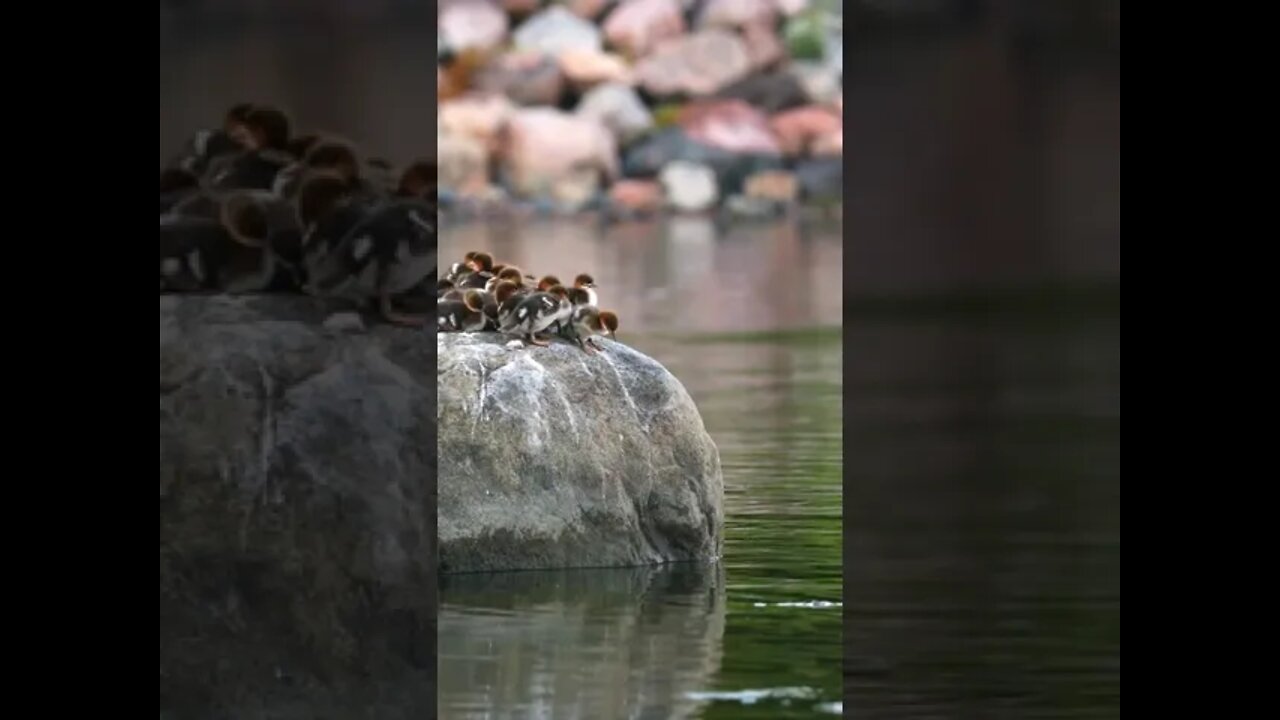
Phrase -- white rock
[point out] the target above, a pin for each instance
(556, 30)
(689, 187)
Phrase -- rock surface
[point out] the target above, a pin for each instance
(556, 30)
(689, 186)
(695, 65)
(547, 149)
(618, 108)
(554, 458)
(297, 512)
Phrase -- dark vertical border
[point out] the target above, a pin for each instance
(981, 191)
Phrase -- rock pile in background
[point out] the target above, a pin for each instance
(640, 105)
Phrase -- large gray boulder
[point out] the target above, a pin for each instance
(297, 513)
(553, 458)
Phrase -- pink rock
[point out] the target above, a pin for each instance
(520, 8)
(737, 13)
(637, 195)
(545, 149)
(462, 163)
(764, 47)
(775, 185)
(525, 77)
(586, 9)
(831, 145)
(478, 25)
(730, 125)
(636, 27)
(476, 116)
(697, 65)
(585, 68)
(798, 129)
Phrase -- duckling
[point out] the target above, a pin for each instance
(365, 248)
(589, 321)
(537, 312)
(176, 184)
(227, 254)
(266, 128)
(206, 145)
(578, 298)
(419, 179)
(264, 133)
(185, 245)
(443, 286)
(507, 295)
(456, 270)
(507, 272)
(586, 282)
(466, 315)
(481, 262)
(477, 280)
(547, 282)
(261, 219)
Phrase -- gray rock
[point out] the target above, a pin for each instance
(553, 458)
(618, 108)
(555, 30)
(821, 178)
(647, 156)
(297, 512)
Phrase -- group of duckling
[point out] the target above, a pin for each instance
(251, 207)
(477, 295)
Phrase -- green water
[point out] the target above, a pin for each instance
(713, 641)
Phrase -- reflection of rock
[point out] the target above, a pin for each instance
(627, 643)
(297, 513)
(551, 457)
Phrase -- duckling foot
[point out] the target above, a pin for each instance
(592, 342)
(533, 340)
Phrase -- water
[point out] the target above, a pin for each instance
(983, 537)
(756, 635)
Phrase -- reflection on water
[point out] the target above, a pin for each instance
(680, 275)
(580, 644)
(984, 527)
(773, 405)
